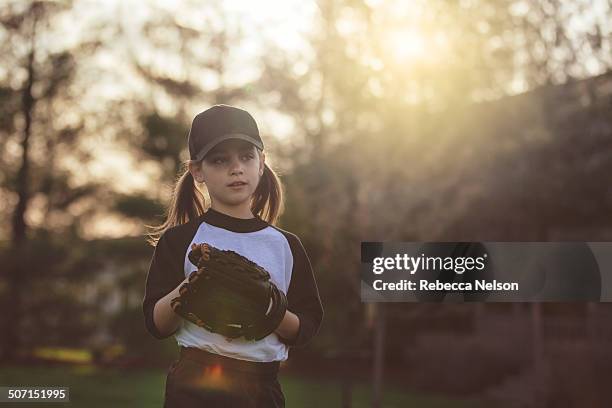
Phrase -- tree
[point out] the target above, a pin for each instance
(40, 122)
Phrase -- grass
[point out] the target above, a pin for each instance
(93, 387)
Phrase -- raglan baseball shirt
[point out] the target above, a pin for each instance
(279, 252)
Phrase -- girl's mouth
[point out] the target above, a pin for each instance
(237, 184)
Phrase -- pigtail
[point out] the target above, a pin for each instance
(187, 203)
(268, 200)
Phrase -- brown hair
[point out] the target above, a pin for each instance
(188, 202)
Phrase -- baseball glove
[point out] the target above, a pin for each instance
(229, 295)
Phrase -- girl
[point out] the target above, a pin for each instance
(227, 157)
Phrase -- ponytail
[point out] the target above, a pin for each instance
(188, 202)
(268, 200)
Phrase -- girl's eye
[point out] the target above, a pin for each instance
(221, 160)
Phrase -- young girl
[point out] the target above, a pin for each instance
(227, 157)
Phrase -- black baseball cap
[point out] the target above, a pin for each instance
(218, 123)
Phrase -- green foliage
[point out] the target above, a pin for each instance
(165, 137)
(138, 206)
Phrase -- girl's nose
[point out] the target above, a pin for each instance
(236, 166)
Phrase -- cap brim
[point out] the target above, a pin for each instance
(223, 138)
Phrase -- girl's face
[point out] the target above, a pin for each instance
(231, 161)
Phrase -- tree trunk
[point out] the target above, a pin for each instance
(16, 273)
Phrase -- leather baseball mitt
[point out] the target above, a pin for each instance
(229, 295)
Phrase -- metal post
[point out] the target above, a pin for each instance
(347, 400)
(379, 348)
(538, 358)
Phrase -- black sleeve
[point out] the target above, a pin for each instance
(303, 296)
(163, 276)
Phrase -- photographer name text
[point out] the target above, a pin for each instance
(425, 285)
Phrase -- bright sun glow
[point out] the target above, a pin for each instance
(407, 45)
(414, 45)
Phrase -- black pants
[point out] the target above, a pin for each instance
(202, 379)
